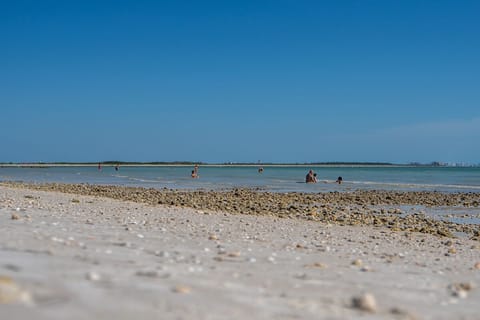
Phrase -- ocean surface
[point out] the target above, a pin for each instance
(273, 178)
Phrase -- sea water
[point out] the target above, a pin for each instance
(273, 178)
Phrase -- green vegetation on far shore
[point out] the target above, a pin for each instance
(191, 163)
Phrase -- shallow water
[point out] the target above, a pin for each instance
(275, 178)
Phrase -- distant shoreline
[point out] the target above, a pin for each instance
(189, 164)
(37, 165)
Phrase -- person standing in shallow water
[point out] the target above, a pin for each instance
(339, 180)
(195, 171)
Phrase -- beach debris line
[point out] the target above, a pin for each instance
(341, 208)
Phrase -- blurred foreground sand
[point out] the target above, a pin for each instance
(65, 256)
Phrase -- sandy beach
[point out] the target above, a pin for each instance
(87, 256)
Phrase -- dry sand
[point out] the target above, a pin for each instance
(65, 256)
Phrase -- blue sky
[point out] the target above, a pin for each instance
(242, 81)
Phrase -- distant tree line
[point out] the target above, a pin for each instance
(153, 163)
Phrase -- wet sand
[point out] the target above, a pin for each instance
(113, 252)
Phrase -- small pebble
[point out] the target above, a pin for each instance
(316, 265)
(163, 254)
(467, 286)
(12, 267)
(15, 216)
(405, 315)
(11, 293)
(122, 244)
(365, 302)
(462, 294)
(234, 254)
(182, 289)
(301, 275)
(92, 276)
(357, 262)
(461, 290)
(147, 273)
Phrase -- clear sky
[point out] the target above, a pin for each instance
(242, 81)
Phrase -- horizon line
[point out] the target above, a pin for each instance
(230, 163)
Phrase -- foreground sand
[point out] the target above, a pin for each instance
(65, 256)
